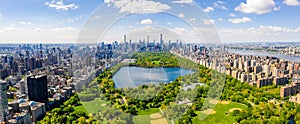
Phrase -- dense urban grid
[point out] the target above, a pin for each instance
(36, 78)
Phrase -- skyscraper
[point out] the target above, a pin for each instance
(37, 89)
(161, 40)
(148, 40)
(124, 38)
(4, 102)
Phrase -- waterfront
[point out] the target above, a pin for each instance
(264, 54)
(132, 76)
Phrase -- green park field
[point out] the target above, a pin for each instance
(221, 114)
(93, 106)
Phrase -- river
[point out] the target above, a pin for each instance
(264, 54)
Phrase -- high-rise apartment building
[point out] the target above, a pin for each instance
(4, 102)
(37, 89)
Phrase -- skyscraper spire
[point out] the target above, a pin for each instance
(148, 38)
(124, 38)
(161, 40)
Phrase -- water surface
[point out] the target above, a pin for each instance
(264, 54)
(132, 76)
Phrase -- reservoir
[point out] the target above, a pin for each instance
(132, 76)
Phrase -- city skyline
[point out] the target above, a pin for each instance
(60, 21)
(39, 81)
(149, 61)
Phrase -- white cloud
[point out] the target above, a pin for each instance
(178, 30)
(208, 21)
(261, 33)
(6, 29)
(181, 15)
(256, 6)
(208, 9)
(240, 20)
(291, 2)
(219, 2)
(146, 22)
(192, 19)
(38, 29)
(25, 23)
(44, 34)
(153, 32)
(232, 15)
(71, 20)
(276, 8)
(277, 29)
(138, 6)
(60, 22)
(169, 23)
(183, 1)
(63, 29)
(220, 19)
(98, 17)
(221, 5)
(187, 34)
(60, 5)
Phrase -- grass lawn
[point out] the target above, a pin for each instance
(148, 111)
(220, 117)
(143, 116)
(141, 119)
(80, 108)
(93, 106)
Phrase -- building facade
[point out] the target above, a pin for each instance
(37, 88)
(4, 102)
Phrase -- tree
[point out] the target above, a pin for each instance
(81, 120)
(235, 112)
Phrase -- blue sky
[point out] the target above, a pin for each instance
(57, 21)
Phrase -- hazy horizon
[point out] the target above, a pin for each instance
(59, 21)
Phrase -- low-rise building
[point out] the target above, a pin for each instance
(38, 110)
(20, 118)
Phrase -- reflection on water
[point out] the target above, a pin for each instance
(136, 76)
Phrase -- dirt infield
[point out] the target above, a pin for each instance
(159, 121)
(232, 109)
(225, 102)
(156, 116)
(214, 101)
(209, 111)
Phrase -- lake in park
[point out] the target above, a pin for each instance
(132, 76)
